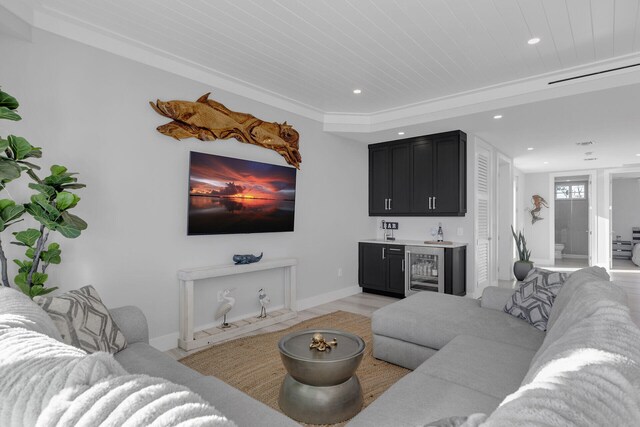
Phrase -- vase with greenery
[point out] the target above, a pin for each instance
(522, 266)
(49, 206)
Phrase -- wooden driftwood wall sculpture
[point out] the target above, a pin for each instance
(209, 120)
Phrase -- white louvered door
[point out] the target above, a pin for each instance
(484, 217)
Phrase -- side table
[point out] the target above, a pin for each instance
(321, 386)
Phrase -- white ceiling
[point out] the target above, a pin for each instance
(413, 60)
(399, 52)
(609, 118)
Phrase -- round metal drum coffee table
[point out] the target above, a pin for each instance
(321, 386)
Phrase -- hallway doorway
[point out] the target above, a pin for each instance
(573, 219)
(625, 222)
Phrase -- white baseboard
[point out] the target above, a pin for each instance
(540, 261)
(165, 342)
(303, 304)
(571, 256)
(169, 341)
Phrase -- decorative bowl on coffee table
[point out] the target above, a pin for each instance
(321, 386)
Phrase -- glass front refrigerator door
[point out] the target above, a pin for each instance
(425, 272)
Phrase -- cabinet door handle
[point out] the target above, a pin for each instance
(403, 265)
(390, 204)
(430, 203)
(386, 204)
(434, 202)
(383, 255)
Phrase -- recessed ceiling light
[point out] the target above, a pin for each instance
(357, 91)
(400, 133)
(497, 116)
(546, 163)
(534, 40)
(530, 149)
(638, 154)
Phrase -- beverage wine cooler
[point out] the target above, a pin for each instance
(424, 269)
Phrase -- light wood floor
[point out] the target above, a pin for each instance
(363, 304)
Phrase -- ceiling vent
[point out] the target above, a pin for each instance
(588, 159)
(582, 76)
(584, 143)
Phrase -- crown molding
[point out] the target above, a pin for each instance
(509, 94)
(14, 25)
(85, 33)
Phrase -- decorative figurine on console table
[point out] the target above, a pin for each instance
(225, 307)
(246, 259)
(264, 302)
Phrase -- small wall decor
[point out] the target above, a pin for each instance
(538, 203)
(247, 259)
(209, 120)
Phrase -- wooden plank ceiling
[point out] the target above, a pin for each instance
(399, 52)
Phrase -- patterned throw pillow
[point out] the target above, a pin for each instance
(84, 321)
(532, 301)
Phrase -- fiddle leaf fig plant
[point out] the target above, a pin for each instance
(49, 206)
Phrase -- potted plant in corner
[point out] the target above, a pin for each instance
(522, 266)
(49, 207)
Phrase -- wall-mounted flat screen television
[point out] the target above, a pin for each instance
(231, 196)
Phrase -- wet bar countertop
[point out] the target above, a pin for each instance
(446, 244)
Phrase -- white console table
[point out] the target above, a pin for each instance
(190, 340)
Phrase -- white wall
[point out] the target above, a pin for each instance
(625, 204)
(89, 110)
(521, 200)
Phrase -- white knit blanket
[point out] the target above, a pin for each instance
(44, 382)
(587, 376)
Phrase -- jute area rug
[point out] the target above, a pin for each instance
(253, 365)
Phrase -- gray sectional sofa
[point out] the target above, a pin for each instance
(29, 339)
(141, 358)
(474, 364)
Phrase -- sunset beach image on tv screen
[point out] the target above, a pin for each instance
(228, 196)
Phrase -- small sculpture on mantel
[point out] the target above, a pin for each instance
(247, 259)
(264, 302)
(225, 307)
